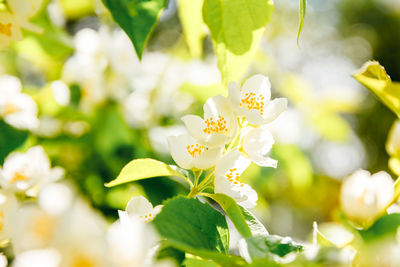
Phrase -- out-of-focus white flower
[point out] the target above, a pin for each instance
(188, 153)
(364, 196)
(253, 100)
(55, 198)
(8, 206)
(131, 241)
(141, 208)
(158, 136)
(3, 260)
(17, 109)
(219, 125)
(60, 92)
(227, 174)
(17, 16)
(28, 171)
(257, 142)
(137, 110)
(9, 29)
(38, 258)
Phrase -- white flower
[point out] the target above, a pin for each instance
(131, 241)
(18, 109)
(9, 29)
(253, 100)
(363, 196)
(188, 153)
(141, 208)
(17, 16)
(49, 257)
(219, 125)
(8, 206)
(227, 174)
(28, 171)
(257, 142)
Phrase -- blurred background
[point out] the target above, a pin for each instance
(100, 107)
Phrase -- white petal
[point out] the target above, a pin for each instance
(157, 209)
(139, 206)
(274, 109)
(208, 159)
(258, 84)
(195, 126)
(177, 146)
(257, 142)
(232, 159)
(251, 195)
(25, 8)
(222, 185)
(252, 116)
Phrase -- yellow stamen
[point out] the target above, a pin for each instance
(18, 177)
(5, 29)
(195, 150)
(251, 101)
(215, 126)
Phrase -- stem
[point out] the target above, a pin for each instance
(206, 179)
(193, 192)
(197, 176)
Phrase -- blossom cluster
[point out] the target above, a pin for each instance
(232, 134)
(47, 224)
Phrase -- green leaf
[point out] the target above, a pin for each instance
(189, 12)
(236, 28)
(139, 169)
(10, 139)
(137, 18)
(232, 209)
(303, 4)
(199, 263)
(190, 223)
(264, 246)
(373, 76)
(386, 225)
(256, 227)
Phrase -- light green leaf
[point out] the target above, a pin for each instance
(373, 76)
(233, 211)
(137, 18)
(256, 227)
(188, 222)
(236, 28)
(263, 246)
(199, 263)
(189, 12)
(139, 169)
(303, 4)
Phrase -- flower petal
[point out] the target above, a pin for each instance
(258, 84)
(274, 109)
(257, 142)
(178, 148)
(139, 206)
(195, 126)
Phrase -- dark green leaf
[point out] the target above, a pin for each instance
(256, 227)
(190, 223)
(10, 139)
(264, 246)
(232, 209)
(384, 226)
(137, 18)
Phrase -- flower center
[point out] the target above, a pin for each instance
(5, 29)
(215, 126)
(18, 177)
(10, 108)
(195, 150)
(233, 176)
(251, 101)
(146, 218)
